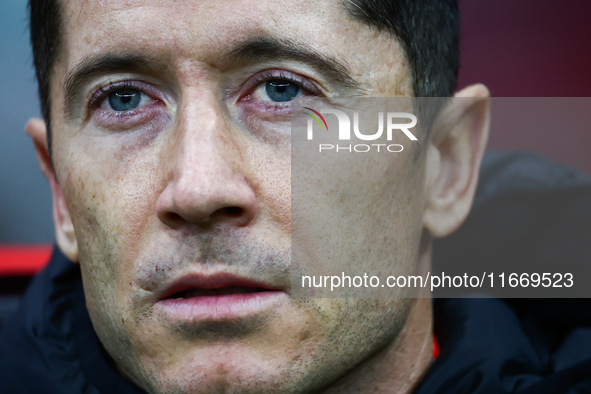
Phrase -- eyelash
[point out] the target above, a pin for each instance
(269, 75)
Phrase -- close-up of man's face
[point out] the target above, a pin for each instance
(171, 175)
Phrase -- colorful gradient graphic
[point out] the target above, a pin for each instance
(315, 118)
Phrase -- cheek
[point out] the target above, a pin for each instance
(358, 217)
(271, 181)
(111, 197)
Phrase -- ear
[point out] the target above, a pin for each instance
(454, 154)
(64, 229)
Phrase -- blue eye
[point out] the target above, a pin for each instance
(281, 90)
(125, 99)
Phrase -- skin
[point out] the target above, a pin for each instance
(201, 182)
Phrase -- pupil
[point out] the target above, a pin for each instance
(125, 99)
(281, 90)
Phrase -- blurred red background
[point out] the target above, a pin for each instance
(532, 48)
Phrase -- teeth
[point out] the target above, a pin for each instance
(216, 292)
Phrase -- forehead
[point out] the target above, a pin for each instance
(196, 29)
(204, 30)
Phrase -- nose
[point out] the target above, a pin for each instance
(208, 179)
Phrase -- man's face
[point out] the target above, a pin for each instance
(172, 149)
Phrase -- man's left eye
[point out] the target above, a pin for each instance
(279, 90)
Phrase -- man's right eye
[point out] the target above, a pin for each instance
(125, 99)
(125, 105)
(122, 97)
(279, 90)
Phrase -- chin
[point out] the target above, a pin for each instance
(220, 369)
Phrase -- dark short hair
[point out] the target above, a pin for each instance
(428, 31)
(45, 27)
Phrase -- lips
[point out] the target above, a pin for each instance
(198, 292)
(217, 297)
(213, 285)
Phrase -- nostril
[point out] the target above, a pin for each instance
(174, 217)
(234, 212)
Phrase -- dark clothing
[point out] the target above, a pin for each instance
(487, 345)
(49, 345)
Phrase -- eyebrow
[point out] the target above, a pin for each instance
(260, 48)
(268, 48)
